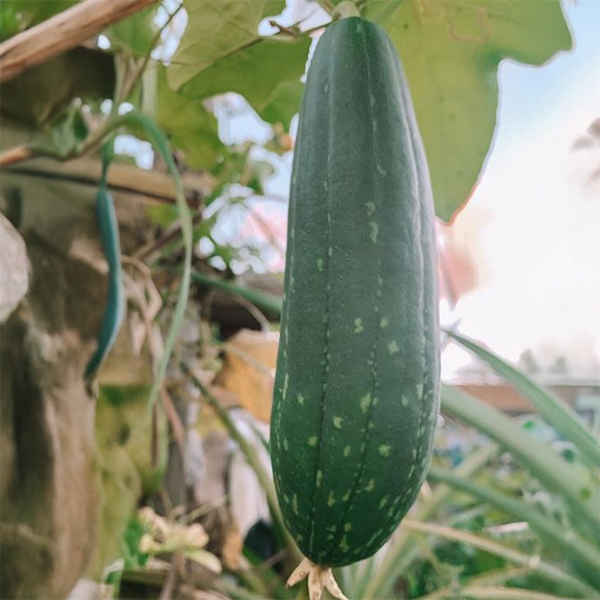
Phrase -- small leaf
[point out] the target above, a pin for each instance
(162, 214)
(63, 139)
(260, 171)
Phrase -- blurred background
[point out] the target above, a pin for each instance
(144, 484)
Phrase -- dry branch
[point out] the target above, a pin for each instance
(62, 32)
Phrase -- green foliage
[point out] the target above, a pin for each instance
(216, 30)
(451, 52)
(283, 104)
(571, 481)
(136, 33)
(190, 127)
(18, 15)
(553, 409)
(254, 72)
(66, 135)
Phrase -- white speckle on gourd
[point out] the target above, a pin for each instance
(319, 478)
(393, 347)
(358, 325)
(404, 401)
(370, 486)
(300, 399)
(331, 499)
(346, 451)
(365, 402)
(384, 322)
(337, 422)
(320, 265)
(370, 206)
(384, 449)
(312, 440)
(374, 231)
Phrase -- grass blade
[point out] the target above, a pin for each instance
(476, 592)
(556, 412)
(571, 481)
(550, 571)
(494, 577)
(572, 545)
(269, 302)
(161, 144)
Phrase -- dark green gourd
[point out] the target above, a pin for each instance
(356, 390)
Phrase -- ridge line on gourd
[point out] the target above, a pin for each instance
(356, 393)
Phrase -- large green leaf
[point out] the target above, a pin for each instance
(217, 29)
(553, 409)
(222, 51)
(571, 481)
(450, 51)
(284, 103)
(254, 72)
(190, 126)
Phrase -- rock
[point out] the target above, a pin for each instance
(14, 277)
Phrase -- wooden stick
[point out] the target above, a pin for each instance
(15, 155)
(62, 32)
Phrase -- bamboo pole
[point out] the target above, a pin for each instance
(62, 32)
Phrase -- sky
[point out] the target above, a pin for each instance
(532, 227)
